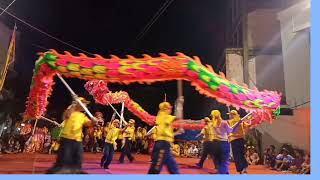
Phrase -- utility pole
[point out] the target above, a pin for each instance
(180, 100)
(245, 47)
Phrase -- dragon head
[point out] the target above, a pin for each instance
(96, 86)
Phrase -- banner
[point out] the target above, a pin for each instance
(9, 58)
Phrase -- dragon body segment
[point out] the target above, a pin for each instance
(99, 90)
(264, 104)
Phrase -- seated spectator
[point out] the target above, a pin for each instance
(296, 165)
(10, 147)
(17, 147)
(305, 167)
(47, 146)
(185, 150)
(283, 160)
(252, 156)
(176, 150)
(192, 151)
(1, 146)
(269, 156)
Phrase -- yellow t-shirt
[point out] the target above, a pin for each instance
(139, 135)
(154, 133)
(144, 132)
(112, 135)
(164, 130)
(98, 134)
(241, 131)
(208, 132)
(72, 128)
(129, 133)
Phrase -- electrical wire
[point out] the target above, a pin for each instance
(4, 10)
(43, 32)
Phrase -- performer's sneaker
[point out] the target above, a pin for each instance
(131, 160)
(199, 166)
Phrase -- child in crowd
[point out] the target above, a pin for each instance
(283, 160)
(305, 167)
(297, 162)
(252, 156)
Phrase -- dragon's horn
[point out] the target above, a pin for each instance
(114, 57)
(222, 75)
(67, 53)
(98, 56)
(146, 56)
(210, 68)
(53, 51)
(83, 55)
(130, 57)
(180, 54)
(197, 60)
(163, 55)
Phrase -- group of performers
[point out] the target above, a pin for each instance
(218, 134)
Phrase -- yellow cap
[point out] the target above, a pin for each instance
(132, 121)
(83, 100)
(234, 112)
(215, 113)
(164, 106)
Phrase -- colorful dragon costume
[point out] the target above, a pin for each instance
(265, 105)
(99, 90)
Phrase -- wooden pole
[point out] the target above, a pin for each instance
(34, 127)
(245, 42)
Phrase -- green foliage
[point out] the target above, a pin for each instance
(55, 132)
(251, 141)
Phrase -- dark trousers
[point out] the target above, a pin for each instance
(126, 150)
(162, 155)
(221, 153)
(139, 146)
(119, 144)
(108, 152)
(69, 155)
(207, 149)
(238, 151)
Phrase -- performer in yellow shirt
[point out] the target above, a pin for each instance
(139, 140)
(128, 137)
(99, 132)
(69, 159)
(161, 153)
(221, 146)
(207, 146)
(236, 138)
(110, 143)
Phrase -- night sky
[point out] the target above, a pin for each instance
(196, 28)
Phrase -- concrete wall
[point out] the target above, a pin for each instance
(295, 39)
(234, 65)
(294, 130)
(288, 73)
